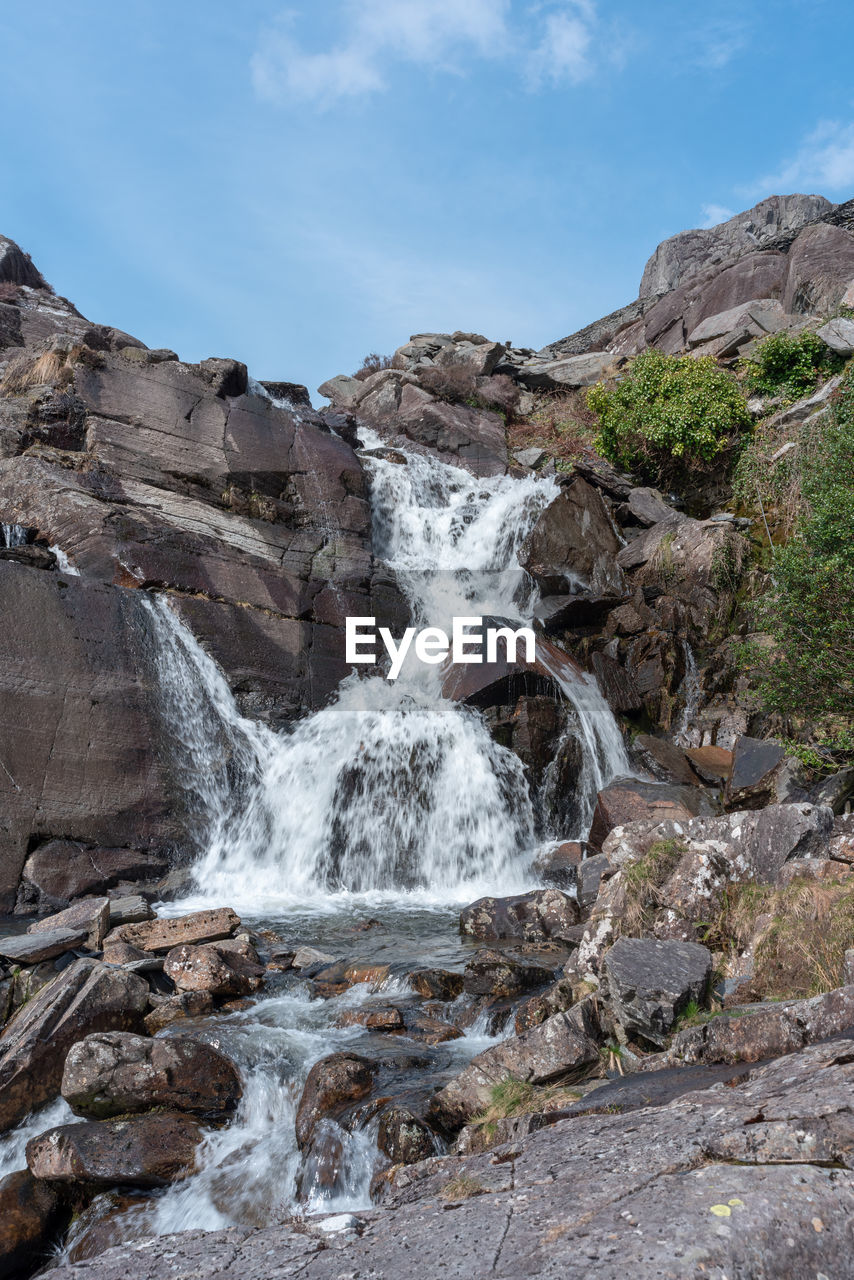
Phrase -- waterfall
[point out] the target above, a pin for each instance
(391, 789)
(13, 535)
(686, 735)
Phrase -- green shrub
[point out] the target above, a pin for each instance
(669, 414)
(809, 610)
(789, 364)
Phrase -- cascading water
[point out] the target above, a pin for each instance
(391, 801)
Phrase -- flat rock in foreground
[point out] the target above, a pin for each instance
(751, 1181)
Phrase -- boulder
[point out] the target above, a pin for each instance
(763, 1031)
(478, 358)
(431, 1030)
(436, 984)
(590, 875)
(650, 982)
(566, 373)
(503, 973)
(384, 1019)
(471, 438)
(91, 916)
(838, 334)
(114, 1072)
(755, 318)
(186, 1004)
(713, 764)
(664, 760)
(404, 1137)
(29, 948)
(60, 870)
(207, 968)
(629, 800)
(86, 997)
(530, 917)
(617, 684)
(555, 1050)
(555, 999)
(342, 391)
(333, 1084)
(140, 1151)
(305, 957)
(30, 1212)
(648, 507)
(755, 768)
(572, 549)
(131, 908)
(163, 934)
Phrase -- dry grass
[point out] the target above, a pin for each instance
(462, 1187)
(9, 292)
(643, 881)
(372, 363)
(49, 368)
(808, 925)
(561, 424)
(513, 1097)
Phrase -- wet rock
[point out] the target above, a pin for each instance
(436, 984)
(755, 768)
(29, 948)
(29, 1213)
(110, 1219)
(186, 1004)
(336, 978)
(572, 549)
(140, 1151)
(114, 1073)
(428, 1029)
(617, 684)
(205, 968)
(764, 1031)
(91, 915)
(501, 973)
(404, 1137)
(559, 865)
(305, 957)
(649, 983)
(387, 1019)
(60, 870)
(333, 1084)
(84, 998)
(628, 801)
(554, 1050)
(163, 934)
(531, 917)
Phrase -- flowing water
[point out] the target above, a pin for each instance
(360, 831)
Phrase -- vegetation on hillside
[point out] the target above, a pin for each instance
(669, 415)
(789, 364)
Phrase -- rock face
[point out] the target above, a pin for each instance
(573, 549)
(141, 1151)
(650, 982)
(84, 998)
(151, 473)
(114, 1073)
(691, 252)
(60, 870)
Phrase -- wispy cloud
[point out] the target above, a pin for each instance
(719, 42)
(824, 162)
(714, 214)
(549, 42)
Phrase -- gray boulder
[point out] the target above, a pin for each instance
(838, 334)
(115, 1072)
(528, 917)
(565, 374)
(649, 983)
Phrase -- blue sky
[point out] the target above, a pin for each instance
(299, 184)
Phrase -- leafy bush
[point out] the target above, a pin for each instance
(372, 363)
(789, 363)
(809, 610)
(668, 414)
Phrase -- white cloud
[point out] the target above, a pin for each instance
(824, 162)
(550, 42)
(564, 51)
(715, 213)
